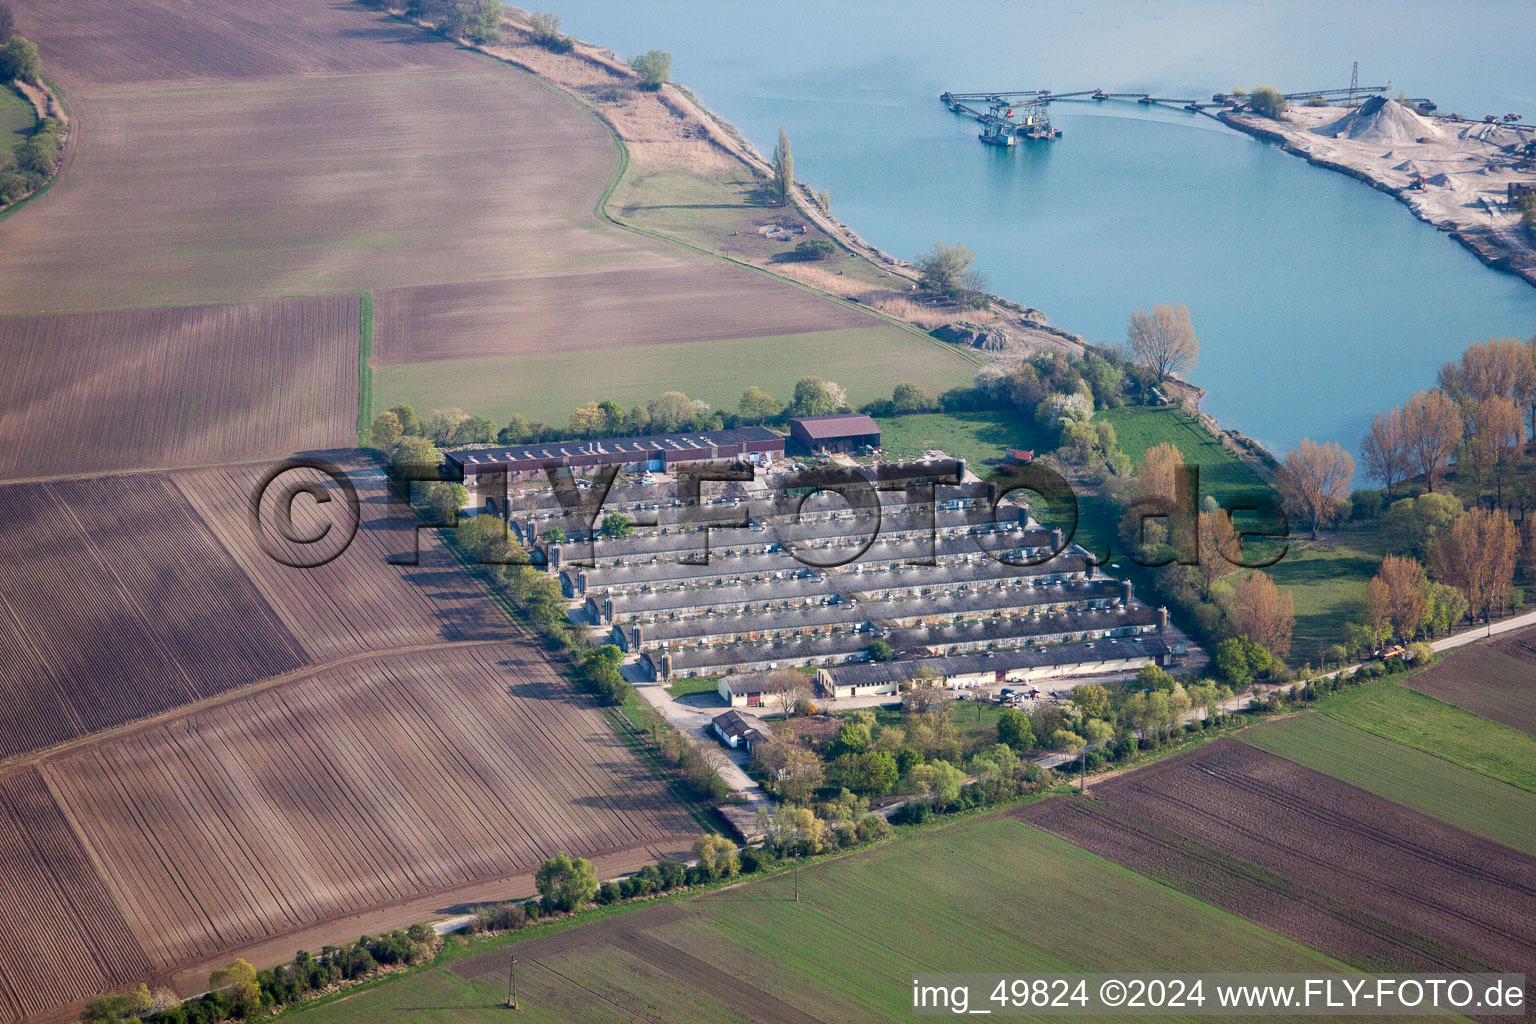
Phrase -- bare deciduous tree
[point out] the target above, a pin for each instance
(783, 182)
(1476, 555)
(1385, 450)
(1496, 367)
(1313, 479)
(784, 689)
(1495, 430)
(1163, 339)
(1219, 549)
(1259, 610)
(1406, 589)
(1432, 425)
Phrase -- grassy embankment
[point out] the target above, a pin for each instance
(845, 949)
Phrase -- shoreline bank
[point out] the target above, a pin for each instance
(1495, 236)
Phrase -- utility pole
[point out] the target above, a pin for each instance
(512, 984)
(797, 882)
(1354, 82)
(1082, 783)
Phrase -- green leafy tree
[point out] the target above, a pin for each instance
(1267, 101)
(409, 424)
(853, 737)
(479, 21)
(415, 451)
(881, 651)
(999, 762)
(569, 883)
(942, 268)
(1067, 741)
(516, 431)
(654, 68)
(1240, 660)
(239, 985)
(757, 405)
(872, 772)
(782, 183)
(19, 60)
(616, 526)
(817, 397)
(444, 500)
(815, 249)
(717, 856)
(386, 430)
(116, 1007)
(1098, 732)
(908, 398)
(474, 430)
(1013, 729)
(1091, 700)
(940, 781)
(553, 535)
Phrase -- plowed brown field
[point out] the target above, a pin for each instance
(358, 787)
(563, 313)
(61, 936)
(141, 388)
(116, 602)
(1330, 865)
(1496, 680)
(102, 42)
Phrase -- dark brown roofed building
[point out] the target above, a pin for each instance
(655, 452)
(835, 432)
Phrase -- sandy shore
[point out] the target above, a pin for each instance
(1466, 169)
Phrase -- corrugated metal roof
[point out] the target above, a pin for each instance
(837, 424)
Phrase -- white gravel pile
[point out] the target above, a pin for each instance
(1381, 120)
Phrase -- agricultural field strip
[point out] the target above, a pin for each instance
(101, 43)
(865, 921)
(1426, 723)
(1305, 913)
(307, 801)
(198, 384)
(358, 602)
(651, 305)
(1455, 795)
(133, 589)
(61, 936)
(1455, 888)
(1496, 681)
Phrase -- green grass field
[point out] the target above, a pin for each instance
(972, 717)
(699, 684)
(1327, 579)
(1415, 779)
(1406, 716)
(867, 361)
(1222, 474)
(17, 117)
(985, 895)
(972, 436)
(719, 212)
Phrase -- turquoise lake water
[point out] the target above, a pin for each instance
(1317, 299)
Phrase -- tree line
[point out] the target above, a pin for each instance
(669, 412)
(239, 991)
(925, 757)
(33, 159)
